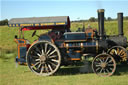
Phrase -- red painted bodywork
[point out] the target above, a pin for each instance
(59, 27)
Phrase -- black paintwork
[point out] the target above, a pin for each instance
(101, 23)
(120, 24)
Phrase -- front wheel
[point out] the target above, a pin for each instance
(104, 65)
(43, 58)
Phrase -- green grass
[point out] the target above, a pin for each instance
(111, 27)
(7, 37)
(11, 74)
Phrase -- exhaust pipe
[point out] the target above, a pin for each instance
(120, 24)
(101, 22)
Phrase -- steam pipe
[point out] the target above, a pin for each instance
(101, 22)
(120, 24)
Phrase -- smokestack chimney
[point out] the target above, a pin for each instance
(120, 24)
(101, 22)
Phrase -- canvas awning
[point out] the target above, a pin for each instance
(41, 22)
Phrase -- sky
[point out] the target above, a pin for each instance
(75, 9)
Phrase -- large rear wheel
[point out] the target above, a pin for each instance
(43, 58)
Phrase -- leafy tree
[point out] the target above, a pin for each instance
(92, 19)
(109, 19)
(4, 22)
(126, 18)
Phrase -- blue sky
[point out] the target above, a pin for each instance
(76, 9)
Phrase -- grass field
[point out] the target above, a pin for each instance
(13, 74)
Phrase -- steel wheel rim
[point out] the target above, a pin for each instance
(43, 58)
(104, 65)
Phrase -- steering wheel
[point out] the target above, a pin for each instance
(33, 33)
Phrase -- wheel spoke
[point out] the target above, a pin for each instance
(42, 69)
(35, 64)
(110, 61)
(46, 68)
(55, 60)
(110, 65)
(123, 54)
(104, 71)
(101, 70)
(53, 56)
(42, 52)
(48, 51)
(38, 66)
(101, 61)
(34, 56)
(38, 49)
(37, 60)
(112, 52)
(98, 65)
(52, 63)
(98, 69)
(120, 52)
(115, 51)
(52, 52)
(50, 67)
(106, 60)
(46, 47)
(38, 54)
(107, 71)
(111, 69)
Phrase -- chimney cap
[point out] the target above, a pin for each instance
(120, 13)
(100, 10)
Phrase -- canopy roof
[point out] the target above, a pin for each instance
(36, 23)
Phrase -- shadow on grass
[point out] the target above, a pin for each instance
(75, 70)
(70, 70)
(121, 69)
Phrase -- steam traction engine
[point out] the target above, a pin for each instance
(60, 46)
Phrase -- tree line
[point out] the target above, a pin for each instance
(4, 22)
(93, 19)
